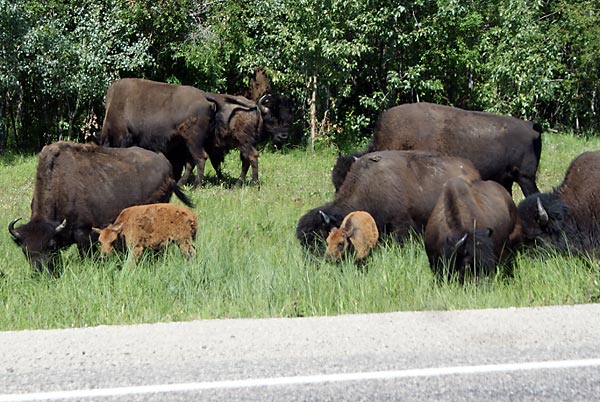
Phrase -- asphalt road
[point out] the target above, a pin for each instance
(550, 353)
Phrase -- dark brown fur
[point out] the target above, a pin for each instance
(572, 209)
(470, 228)
(398, 188)
(502, 148)
(173, 119)
(85, 186)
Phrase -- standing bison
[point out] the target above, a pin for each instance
(80, 186)
(398, 188)
(470, 228)
(244, 124)
(173, 119)
(503, 148)
(189, 125)
(568, 218)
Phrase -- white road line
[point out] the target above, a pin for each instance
(299, 380)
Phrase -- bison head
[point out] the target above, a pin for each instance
(108, 237)
(544, 220)
(40, 240)
(470, 253)
(314, 227)
(277, 112)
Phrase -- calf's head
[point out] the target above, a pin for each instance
(40, 241)
(108, 236)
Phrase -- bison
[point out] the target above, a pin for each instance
(470, 228)
(503, 148)
(80, 186)
(398, 188)
(358, 231)
(244, 124)
(567, 218)
(153, 226)
(173, 119)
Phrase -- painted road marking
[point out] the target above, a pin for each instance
(299, 380)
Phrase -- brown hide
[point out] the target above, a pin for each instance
(502, 148)
(86, 186)
(173, 119)
(360, 229)
(151, 226)
(471, 225)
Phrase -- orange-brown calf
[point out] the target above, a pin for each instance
(153, 226)
(360, 229)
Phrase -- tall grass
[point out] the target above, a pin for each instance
(249, 263)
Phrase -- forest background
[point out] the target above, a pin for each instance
(344, 60)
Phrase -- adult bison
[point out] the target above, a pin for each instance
(80, 186)
(173, 119)
(398, 188)
(567, 218)
(243, 124)
(470, 228)
(503, 148)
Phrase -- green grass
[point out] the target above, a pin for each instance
(249, 263)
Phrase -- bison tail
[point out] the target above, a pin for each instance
(182, 195)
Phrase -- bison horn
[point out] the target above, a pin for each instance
(326, 218)
(60, 227)
(542, 212)
(461, 241)
(12, 231)
(261, 106)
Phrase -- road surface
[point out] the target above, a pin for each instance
(550, 353)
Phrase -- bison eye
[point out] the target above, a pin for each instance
(340, 245)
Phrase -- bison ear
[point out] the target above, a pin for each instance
(97, 230)
(116, 228)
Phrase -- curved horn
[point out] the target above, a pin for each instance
(60, 227)
(12, 231)
(326, 218)
(263, 109)
(542, 212)
(461, 241)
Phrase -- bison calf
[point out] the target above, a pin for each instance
(153, 225)
(360, 229)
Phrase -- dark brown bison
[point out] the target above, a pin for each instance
(80, 186)
(173, 119)
(503, 148)
(243, 124)
(398, 188)
(470, 228)
(568, 218)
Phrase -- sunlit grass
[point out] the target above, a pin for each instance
(249, 263)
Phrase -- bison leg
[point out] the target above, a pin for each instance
(528, 185)
(249, 157)
(187, 248)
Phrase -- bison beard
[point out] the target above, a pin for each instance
(398, 188)
(80, 186)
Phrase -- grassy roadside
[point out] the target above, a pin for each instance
(249, 263)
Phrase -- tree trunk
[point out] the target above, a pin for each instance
(313, 112)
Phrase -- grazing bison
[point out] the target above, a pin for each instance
(398, 188)
(469, 228)
(568, 218)
(153, 225)
(503, 148)
(358, 231)
(173, 119)
(80, 186)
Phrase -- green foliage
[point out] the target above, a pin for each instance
(536, 60)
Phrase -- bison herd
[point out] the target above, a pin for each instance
(441, 172)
